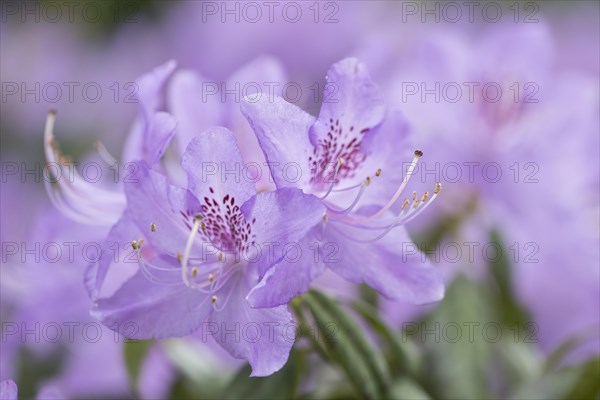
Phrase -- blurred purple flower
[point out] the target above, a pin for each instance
(201, 249)
(94, 204)
(199, 103)
(540, 140)
(336, 155)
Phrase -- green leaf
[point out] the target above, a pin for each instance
(458, 356)
(587, 385)
(573, 382)
(283, 384)
(558, 354)
(403, 355)
(510, 311)
(134, 353)
(407, 389)
(347, 346)
(369, 296)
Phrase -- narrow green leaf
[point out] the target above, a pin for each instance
(457, 342)
(407, 389)
(587, 385)
(134, 353)
(572, 382)
(403, 355)
(348, 346)
(510, 311)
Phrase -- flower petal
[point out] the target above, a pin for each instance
(196, 104)
(139, 144)
(160, 131)
(212, 160)
(8, 390)
(289, 277)
(351, 97)
(142, 309)
(282, 219)
(282, 132)
(392, 265)
(388, 147)
(150, 86)
(264, 336)
(160, 210)
(249, 80)
(115, 254)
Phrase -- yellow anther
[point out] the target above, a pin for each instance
(418, 153)
(405, 203)
(378, 172)
(134, 244)
(438, 187)
(179, 257)
(213, 299)
(194, 272)
(211, 277)
(153, 227)
(425, 196)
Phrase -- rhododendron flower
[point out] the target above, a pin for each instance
(349, 157)
(199, 250)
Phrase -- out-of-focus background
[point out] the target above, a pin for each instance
(502, 97)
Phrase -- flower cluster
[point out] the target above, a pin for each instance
(216, 251)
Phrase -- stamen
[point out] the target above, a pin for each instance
(186, 253)
(408, 218)
(347, 211)
(105, 154)
(411, 169)
(71, 193)
(402, 218)
(378, 172)
(340, 162)
(134, 244)
(405, 203)
(194, 272)
(147, 269)
(153, 227)
(223, 303)
(213, 299)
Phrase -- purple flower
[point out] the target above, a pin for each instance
(8, 390)
(199, 250)
(348, 156)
